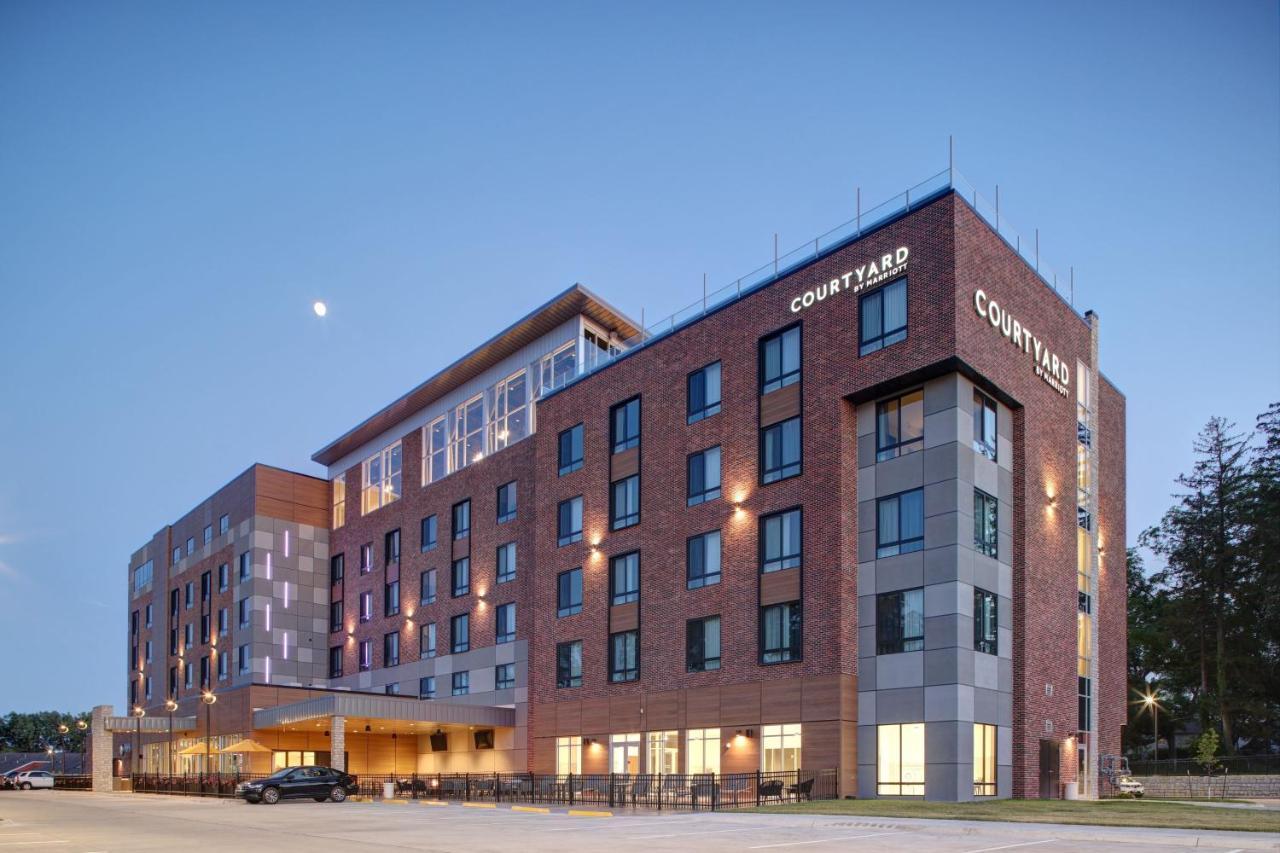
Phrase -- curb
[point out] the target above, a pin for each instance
(531, 809)
(480, 805)
(585, 813)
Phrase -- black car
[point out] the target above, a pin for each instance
(318, 783)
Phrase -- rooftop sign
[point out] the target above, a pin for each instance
(887, 266)
(1048, 366)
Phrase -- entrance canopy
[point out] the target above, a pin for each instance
(384, 714)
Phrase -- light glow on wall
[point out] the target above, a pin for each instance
(286, 543)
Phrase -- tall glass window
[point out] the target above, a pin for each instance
(780, 452)
(900, 760)
(506, 562)
(703, 560)
(984, 760)
(460, 580)
(900, 425)
(780, 747)
(462, 519)
(624, 578)
(702, 750)
(624, 503)
(568, 755)
(703, 476)
(558, 367)
(662, 752)
(569, 664)
(625, 425)
(884, 317)
(780, 632)
(339, 501)
(466, 439)
(702, 644)
(381, 476)
(429, 532)
(900, 523)
(780, 359)
(509, 417)
(460, 633)
(624, 656)
(704, 393)
(780, 545)
(985, 531)
(986, 632)
(569, 592)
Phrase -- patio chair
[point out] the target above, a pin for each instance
(735, 788)
(801, 790)
(771, 790)
(675, 788)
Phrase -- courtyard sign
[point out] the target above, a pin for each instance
(887, 266)
(1048, 366)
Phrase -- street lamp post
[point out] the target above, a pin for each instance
(138, 713)
(1151, 702)
(63, 728)
(81, 726)
(208, 699)
(170, 706)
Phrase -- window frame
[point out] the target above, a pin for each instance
(566, 678)
(625, 674)
(391, 649)
(696, 464)
(766, 384)
(561, 610)
(785, 560)
(459, 646)
(791, 627)
(459, 589)
(631, 593)
(709, 407)
(785, 468)
(627, 485)
(699, 542)
(986, 524)
(504, 565)
(572, 433)
(508, 488)
(867, 346)
(428, 578)
(628, 441)
(895, 787)
(887, 643)
(886, 450)
(500, 679)
(696, 658)
(986, 413)
(429, 533)
(390, 478)
(899, 545)
(573, 535)
(986, 621)
(460, 683)
(499, 636)
(460, 520)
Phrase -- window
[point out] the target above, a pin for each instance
(366, 655)
(986, 634)
(246, 565)
(505, 623)
(206, 585)
(568, 755)
(559, 367)
(900, 426)
(427, 641)
(780, 451)
(624, 425)
(224, 668)
(509, 411)
(702, 751)
(900, 523)
(381, 479)
(506, 562)
(702, 644)
(900, 760)
(177, 555)
(243, 656)
(780, 747)
(208, 534)
(462, 519)
(224, 577)
(366, 558)
(391, 598)
(624, 578)
(143, 575)
(466, 434)
(460, 577)
(624, 503)
(189, 594)
(569, 592)
(461, 683)
(428, 533)
(460, 633)
(147, 644)
(985, 535)
(703, 476)
(624, 753)
(780, 631)
(506, 502)
(366, 606)
(224, 524)
(780, 541)
(569, 664)
(224, 621)
(900, 621)
(191, 545)
(780, 359)
(624, 656)
(335, 662)
(704, 392)
(984, 425)
(391, 649)
(984, 760)
(337, 568)
(435, 442)
(570, 455)
(703, 560)
(244, 611)
(662, 752)
(188, 675)
(427, 687)
(391, 547)
(569, 521)
(206, 624)
(504, 676)
(392, 689)
(1083, 698)
(428, 586)
(149, 616)
(173, 673)
(884, 317)
(339, 501)
(335, 615)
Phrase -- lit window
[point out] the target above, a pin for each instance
(435, 438)
(900, 523)
(900, 621)
(704, 393)
(780, 360)
(780, 747)
(466, 435)
(884, 317)
(703, 560)
(900, 760)
(510, 413)
(366, 558)
(900, 426)
(703, 480)
(339, 501)
(624, 753)
(558, 367)
(702, 748)
(381, 476)
(662, 752)
(984, 760)
(568, 756)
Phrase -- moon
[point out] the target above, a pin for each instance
(320, 308)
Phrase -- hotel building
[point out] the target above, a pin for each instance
(853, 516)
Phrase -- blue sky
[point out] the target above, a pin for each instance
(178, 182)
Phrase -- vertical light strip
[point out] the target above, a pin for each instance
(286, 595)
(268, 678)
(268, 565)
(284, 644)
(286, 543)
(268, 615)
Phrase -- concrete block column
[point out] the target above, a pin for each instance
(100, 757)
(338, 743)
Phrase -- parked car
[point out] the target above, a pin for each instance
(34, 779)
(1130, 785)
(318, 783)
(6, 780)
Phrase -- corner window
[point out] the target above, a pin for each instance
(339, 501)
(570, 450)
(703, 393)
(900, 621)
(900, 760)
(780, 359)
(780, 632)
(883, 316)
(780, 452)
(624, 656)
(702, 554)
(900, 426)
(780, 541)
(624, 503)
(460, 580)
(703, 476)
(569, 592)
(506, 562)
(984, 425)
(460, 633)
(702, 644)
(381, 479)
(624, 578)
(900, 523)
(986, 632)
(624, 421)
(506, 502)
(985, 530)
(462, 519)
(569, 664)
(461, 682)
(569, 521)
(505, 623)
(427, 587)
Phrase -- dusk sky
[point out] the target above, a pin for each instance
(179, 182)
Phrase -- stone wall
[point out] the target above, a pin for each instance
(1236, 787)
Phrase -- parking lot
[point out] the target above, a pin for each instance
(82, 822)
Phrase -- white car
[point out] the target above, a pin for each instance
(34, 779)
(1130, 785)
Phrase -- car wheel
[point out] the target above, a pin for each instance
(337, 794)
(26, 786)
(271, 796)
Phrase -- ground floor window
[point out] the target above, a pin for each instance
(663, 752)
(984, 760)
(703, 750)
(281, 759)
(780, 747)
(568, 755)
(624, 753)
(900, 770)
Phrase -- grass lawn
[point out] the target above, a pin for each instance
(1101, 813)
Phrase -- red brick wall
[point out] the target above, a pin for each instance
(1112, 610)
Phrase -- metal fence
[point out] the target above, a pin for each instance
(72, 781)
(193, 785)
(1236, 765)
(692, 791)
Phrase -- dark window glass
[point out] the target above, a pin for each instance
(506, 502)
(985, 531)
(884, 317)
(704, 392)
(900, 523)
(504, 676)
(335, 662)
(506, 562)
(224, 524)
(427, 687)
(460, 577)
(427, 640)
(569, 664)
(224, 577)
(900, 425)
(460, 633)
(780, 451)
(780, 360)
(571, 450)
(986, 633)
(702, 644)
(703, 560)
(392, 689)
(1084, 708)
(569, 521)
(246, 565)
(206, 585)
(205, 622)
(900, 621)
(427, 587)
(780, 632)
(428, 533)
(366, 558)
(984, 425)
(244, 612)
(391, 547)
(461, 683)
(391, 649)
(337, 567)
(624, 578)
(569, 592)
(505, 623)
(625, 425)
(624, 656)
(780, 541)
(335, 615)
(462, 520)
(624, 503)
(366, 606)
(703, 478)
(391, 598)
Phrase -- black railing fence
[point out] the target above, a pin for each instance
(1236, 765)
(72, 781)
(191, 785)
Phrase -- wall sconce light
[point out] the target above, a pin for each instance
(588, 741)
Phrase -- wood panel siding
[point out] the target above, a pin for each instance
(624, 617)
(778, 587)
(780, 405)
(624, 464)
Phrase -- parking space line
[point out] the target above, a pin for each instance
(695, 832)
(824, 840)
(1011, 846)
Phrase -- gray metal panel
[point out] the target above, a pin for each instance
(384, 708)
